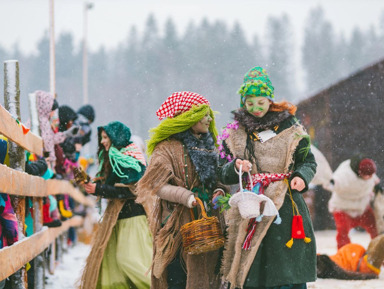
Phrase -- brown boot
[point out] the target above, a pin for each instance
(375, 251)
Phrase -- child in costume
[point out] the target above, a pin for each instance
(183, 164)
(121, 253)
(352, 187)
(353, 262)
(268, 141)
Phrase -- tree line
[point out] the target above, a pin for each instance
(129, 82)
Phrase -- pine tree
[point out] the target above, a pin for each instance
(280, 56)
(319, 52)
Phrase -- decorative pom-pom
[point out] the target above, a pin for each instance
(307, 240)
(278, 220)
(289, 243)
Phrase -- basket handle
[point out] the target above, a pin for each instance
(202, 209)
(249, 177)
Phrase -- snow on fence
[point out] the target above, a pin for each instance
(19, 184)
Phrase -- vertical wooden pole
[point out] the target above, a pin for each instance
(16, 154)
(52, 74)
(85, 54)
(38, 261)
(52, 59)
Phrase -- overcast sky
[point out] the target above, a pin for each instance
(24, 21)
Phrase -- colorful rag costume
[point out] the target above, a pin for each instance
(259, 252)
(8, 220)
(350, 201)
(181, 166)
(45, 102)
(121, 253)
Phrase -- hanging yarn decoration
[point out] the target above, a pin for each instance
(297, 231)
(262, 181)
(25, 129)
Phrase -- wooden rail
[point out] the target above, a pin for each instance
(14, 257)
(12, 130)
(18, 183)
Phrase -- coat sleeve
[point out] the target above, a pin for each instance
(227, 174)
(175, 194)
(226, 171)
(111, 192)
(37, 168)
(304, 163)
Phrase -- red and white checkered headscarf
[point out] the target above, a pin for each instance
(178, 103)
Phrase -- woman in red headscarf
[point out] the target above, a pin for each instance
(183, 165)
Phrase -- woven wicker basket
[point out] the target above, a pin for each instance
(202, 235)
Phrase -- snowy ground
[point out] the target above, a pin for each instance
(68, 271)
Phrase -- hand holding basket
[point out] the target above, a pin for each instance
(202, 235)
(249, 202)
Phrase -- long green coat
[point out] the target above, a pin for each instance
(275, 264)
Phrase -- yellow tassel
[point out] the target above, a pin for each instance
(289, 243)
(307, 240)
(65, 213)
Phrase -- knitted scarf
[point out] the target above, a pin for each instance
(122, 159)
(180, 123)
(203, 155)
(252, 123)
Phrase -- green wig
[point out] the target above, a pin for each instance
(180, 123)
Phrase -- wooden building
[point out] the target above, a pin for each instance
(345, 119)
(348, 117)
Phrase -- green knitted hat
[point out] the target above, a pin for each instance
(256, 83)
(119, 133)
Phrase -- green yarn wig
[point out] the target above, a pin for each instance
(180, 123)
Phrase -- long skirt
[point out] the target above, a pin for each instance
(128, 256)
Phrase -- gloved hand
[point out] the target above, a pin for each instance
(73, 131)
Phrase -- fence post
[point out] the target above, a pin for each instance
(39, 263)
(16, 154)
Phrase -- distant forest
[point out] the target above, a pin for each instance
(128, 83)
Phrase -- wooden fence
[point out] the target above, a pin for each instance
(15, 182)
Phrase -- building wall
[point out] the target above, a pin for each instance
(348, 117)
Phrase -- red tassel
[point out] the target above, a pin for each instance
(298, 227)
(250, 232)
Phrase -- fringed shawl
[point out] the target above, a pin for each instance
(166, 167)
(91, 270)
(92, 266)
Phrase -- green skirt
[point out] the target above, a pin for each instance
(128, 256)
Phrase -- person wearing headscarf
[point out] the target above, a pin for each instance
(183, 166)
(46, 104)
(121, 253)
(271, 250)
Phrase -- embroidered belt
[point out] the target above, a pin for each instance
(261, 181)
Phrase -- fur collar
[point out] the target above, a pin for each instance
(203, 155)
(252, 124)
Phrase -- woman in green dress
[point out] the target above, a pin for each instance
(268, 141)
(122, 250)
